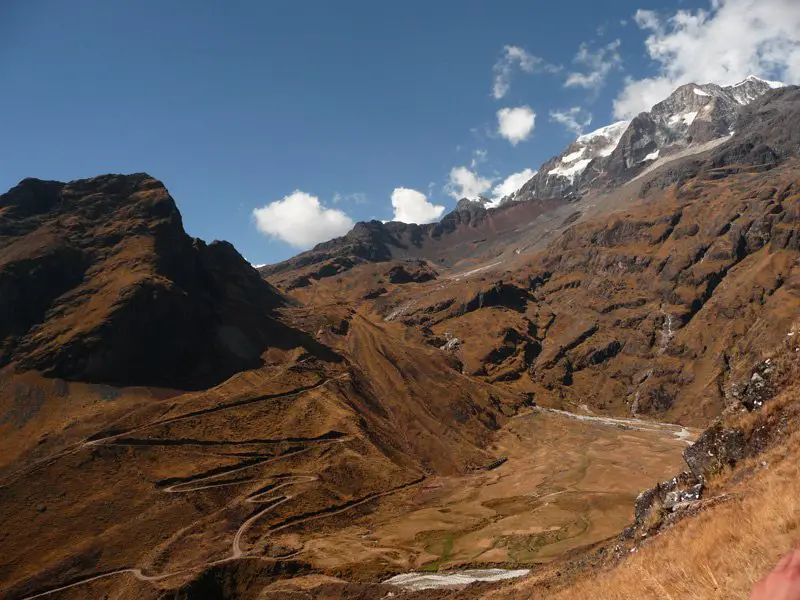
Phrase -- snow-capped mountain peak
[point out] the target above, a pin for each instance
(692, 117)
(587, 147)
(751, 88)
(752, 78)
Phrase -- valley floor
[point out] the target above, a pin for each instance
(564, 482)
(748, 521)
(567, 483)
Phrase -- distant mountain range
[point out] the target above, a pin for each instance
(745, 122)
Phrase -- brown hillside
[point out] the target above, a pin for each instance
(100, 283)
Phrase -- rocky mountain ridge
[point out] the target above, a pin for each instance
(690, 118)
(99, 282)
(474, 231)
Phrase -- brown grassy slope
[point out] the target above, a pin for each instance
(99, 282)
(79, 507)
(654, 310)
(749, 518)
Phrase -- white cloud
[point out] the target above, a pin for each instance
(724, 44)
(356, 198)
(575, 119)
(300, 220)
(598, 63)
(516, 124)
(411, 206)
(511, 185)
(467, 184)
(504, 67)
(478, 156)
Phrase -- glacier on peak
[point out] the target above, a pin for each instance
(572, 157)
(615, 130)
(572, 171)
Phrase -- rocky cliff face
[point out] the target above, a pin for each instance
(690, 119)
(99, 282)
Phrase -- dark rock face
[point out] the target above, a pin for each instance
(417, 272)
(499, 294)
(685, 487)
(766, 131)
(100, 283)
(758, 389)
(716, 449)
(376, 293)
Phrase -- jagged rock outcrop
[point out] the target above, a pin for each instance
(412, 271)
(717, 448)
(686, 487)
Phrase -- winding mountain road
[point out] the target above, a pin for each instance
(95, 440)
(268, 497)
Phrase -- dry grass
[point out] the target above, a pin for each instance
(717, 555)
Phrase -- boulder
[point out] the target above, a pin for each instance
(684, 488)
(715, 449)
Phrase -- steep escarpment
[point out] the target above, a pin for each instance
(100, 283)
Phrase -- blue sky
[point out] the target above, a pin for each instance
(236, 105)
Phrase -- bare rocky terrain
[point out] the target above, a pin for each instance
(493, 391)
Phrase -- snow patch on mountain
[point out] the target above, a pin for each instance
(652, 156)
(610, 135)
(687, 118)
(572, 171)
(574, 156)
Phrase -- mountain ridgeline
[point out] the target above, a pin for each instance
(489, 390)
(100, 283)
(698, 127)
